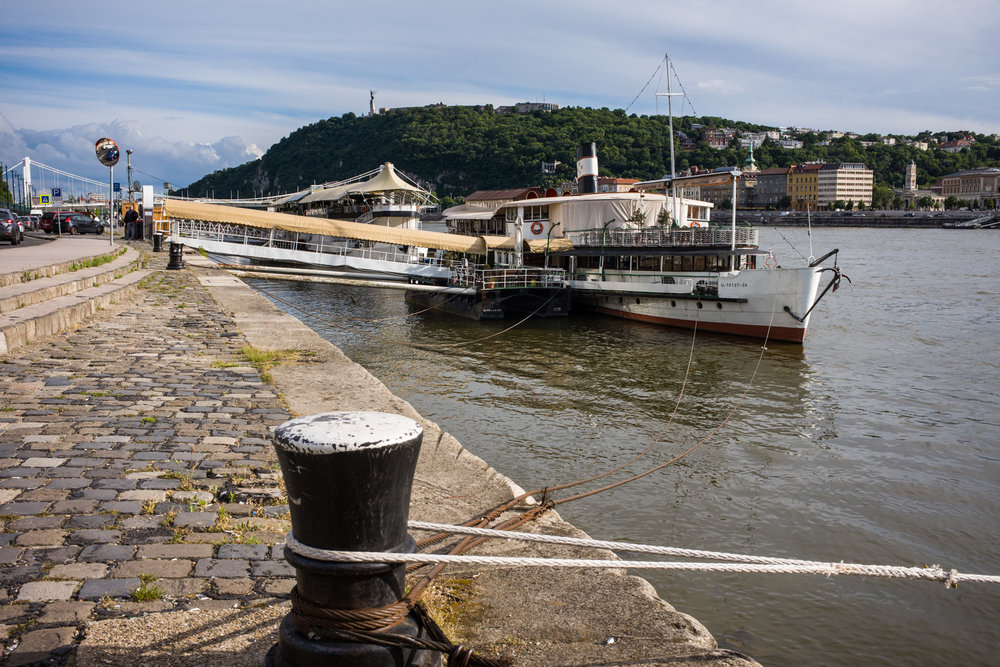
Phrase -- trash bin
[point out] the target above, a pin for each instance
(157, 241)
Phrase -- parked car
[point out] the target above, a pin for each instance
(70, 222)
(10, 228)
(30, 222)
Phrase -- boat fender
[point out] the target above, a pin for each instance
(536, 228)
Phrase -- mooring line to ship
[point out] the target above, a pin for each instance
(499, 333)
(324, 320)
(494, 513)
(738, 563)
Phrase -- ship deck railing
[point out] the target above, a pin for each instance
(508, 278)
(660, 237)
(308, 243)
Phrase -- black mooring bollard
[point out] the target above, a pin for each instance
(348, 477)
(176, 260)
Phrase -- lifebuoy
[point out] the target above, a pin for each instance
(695, 223)
(536, 228)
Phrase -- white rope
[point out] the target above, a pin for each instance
(933, 573)
(603, 544)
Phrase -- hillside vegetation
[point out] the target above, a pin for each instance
(457, 150)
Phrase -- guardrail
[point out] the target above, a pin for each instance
(524, 277)
(314, 243)
(662, 237)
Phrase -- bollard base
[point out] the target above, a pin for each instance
(295, 648)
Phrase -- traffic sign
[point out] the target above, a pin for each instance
(57, 192)
(44, 200)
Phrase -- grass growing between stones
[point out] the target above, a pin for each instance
(95, 261)
(147, 591)
(265, 360)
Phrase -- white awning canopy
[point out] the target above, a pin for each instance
(188, 210)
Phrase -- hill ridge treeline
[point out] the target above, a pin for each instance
(455, 150)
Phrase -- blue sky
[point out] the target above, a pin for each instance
(192, 87)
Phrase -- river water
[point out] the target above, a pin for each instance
(878, 441)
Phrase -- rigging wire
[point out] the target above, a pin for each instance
(657, 71)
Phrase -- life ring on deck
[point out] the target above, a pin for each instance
(695, 223)
(536, 228)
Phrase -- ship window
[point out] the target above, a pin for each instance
(673, 304)
(700, 305)
(718, 305)
(637, 302)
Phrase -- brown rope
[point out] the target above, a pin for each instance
(358, 620)
(368, 626)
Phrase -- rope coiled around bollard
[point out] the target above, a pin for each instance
(367, 626)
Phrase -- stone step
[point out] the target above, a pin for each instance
(26, 324)
(38, 285)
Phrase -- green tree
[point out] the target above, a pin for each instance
(881, 196)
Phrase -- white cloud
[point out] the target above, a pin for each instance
(155, 159)
(720, 87)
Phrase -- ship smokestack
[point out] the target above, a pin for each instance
(586, 168)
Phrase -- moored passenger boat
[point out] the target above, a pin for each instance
(656, 257)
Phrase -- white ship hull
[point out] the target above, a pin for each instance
(763, 303)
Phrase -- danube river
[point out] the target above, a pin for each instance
(878, 441)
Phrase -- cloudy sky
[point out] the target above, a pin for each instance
(192, 87)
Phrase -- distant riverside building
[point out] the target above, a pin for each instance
(608, 184)
(973, 185)
(846, 182)
(772, 186)
(803, 185)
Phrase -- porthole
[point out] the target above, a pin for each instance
(673, 304)
(718, 305)
(700, 305)
(637, 302)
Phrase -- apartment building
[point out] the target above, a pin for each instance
(844, 181)
(803, 185)
(772, 186)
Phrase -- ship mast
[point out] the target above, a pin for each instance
(670, 115)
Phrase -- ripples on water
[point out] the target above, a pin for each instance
(875, 442)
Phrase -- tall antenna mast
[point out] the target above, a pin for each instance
(670, 114)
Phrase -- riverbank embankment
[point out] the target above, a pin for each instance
(143, 514)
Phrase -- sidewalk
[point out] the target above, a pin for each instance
(57, 250)
(143, 513)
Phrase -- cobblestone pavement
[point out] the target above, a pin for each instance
(136, 472)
